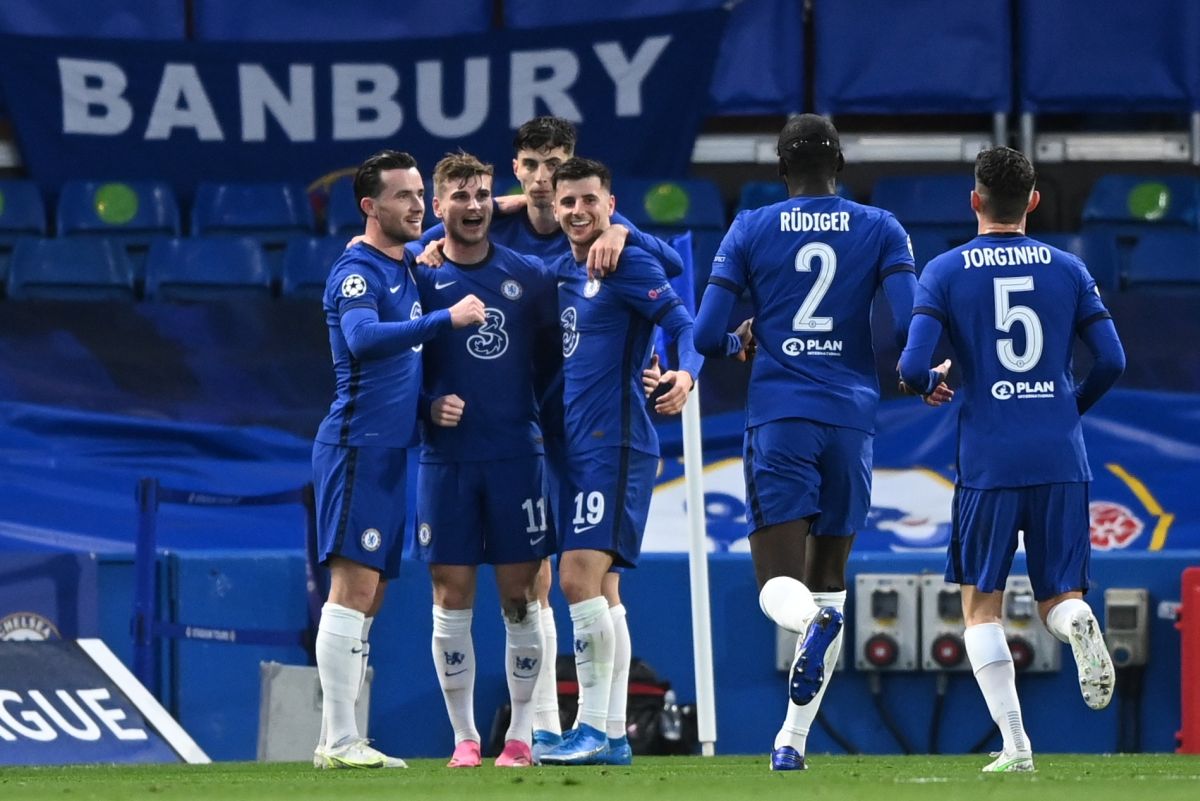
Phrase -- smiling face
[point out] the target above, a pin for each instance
(584, 209)
(534, 169)
(464, 205)
(399, 207)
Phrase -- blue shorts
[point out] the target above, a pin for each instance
(360, 504)
(558, 488)
(1057, 536)
(610, 490)
(476, 513)
(798, 469)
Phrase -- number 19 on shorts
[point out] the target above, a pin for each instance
(589, 508)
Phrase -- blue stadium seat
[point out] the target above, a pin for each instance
(962, 65)
(69, 269)
(21, 215)
(1165, 257)
(21, 211)
(1133, 204)
(342, 217)
(346, 20)
(206, 268)
(122, 209)
(670, 206)
(103, 19)
(268, 212)
(306, 264)
(930, 204)
(130, 213)
(1097, 249)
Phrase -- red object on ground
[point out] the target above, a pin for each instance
(1188, 622)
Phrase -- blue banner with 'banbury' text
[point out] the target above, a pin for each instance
(184, 112)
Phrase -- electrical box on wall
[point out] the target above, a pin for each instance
(1127, 625)
(942, 645)
(1034, 649)
(886, 620)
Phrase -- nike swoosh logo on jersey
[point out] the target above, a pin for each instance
(440, 285)
(579, 530)
(395, 289)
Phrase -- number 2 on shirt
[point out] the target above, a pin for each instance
(804, 320)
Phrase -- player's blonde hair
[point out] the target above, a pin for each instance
(458, 168)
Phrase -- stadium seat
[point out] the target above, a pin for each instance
(105, 19)
(1135, 204)
(1164, 257)
(342, 217)
(268, 212)
(21, 211)
(669, 206)
(306, 264)
(69, 269)
(930, 204)
(1097, 249)
(206, 268)
(346, 20)
(21, 215)
(138, 209)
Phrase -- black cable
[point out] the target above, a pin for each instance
(1129, 709)
(835, 735)
(941, 680)
(875, 682)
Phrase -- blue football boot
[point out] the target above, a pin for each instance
(619, 752)
(787, 758)
(581, 746)
(543, 741)
(808, 671)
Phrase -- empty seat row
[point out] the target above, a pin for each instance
(193, 268)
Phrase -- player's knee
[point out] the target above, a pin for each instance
(515, 609)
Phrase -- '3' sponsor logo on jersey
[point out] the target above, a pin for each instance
(570, 335)
(490, 341)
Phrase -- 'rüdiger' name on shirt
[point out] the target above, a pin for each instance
(799, 222)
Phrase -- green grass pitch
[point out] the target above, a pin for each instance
(1060, 777)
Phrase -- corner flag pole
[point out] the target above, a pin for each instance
(702, 654)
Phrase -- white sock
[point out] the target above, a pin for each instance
(618, 697)
(366, 653)
(338, 666)
(997, 678)
(545, 695)
(594, 646)
(1058, 621)
(788, 602)
(454, 660)
(799, 719)
(523, 657)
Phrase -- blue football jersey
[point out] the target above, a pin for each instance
(812, 265)
(376, 399)
(492, 367)
(607, 331)
(1011, 306)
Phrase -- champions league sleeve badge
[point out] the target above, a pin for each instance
(354, 286)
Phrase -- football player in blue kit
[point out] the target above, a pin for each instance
(1012, 307)
(480, 492)
(376, 331)
(540, 146)
(612, 449)
(812, 264)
